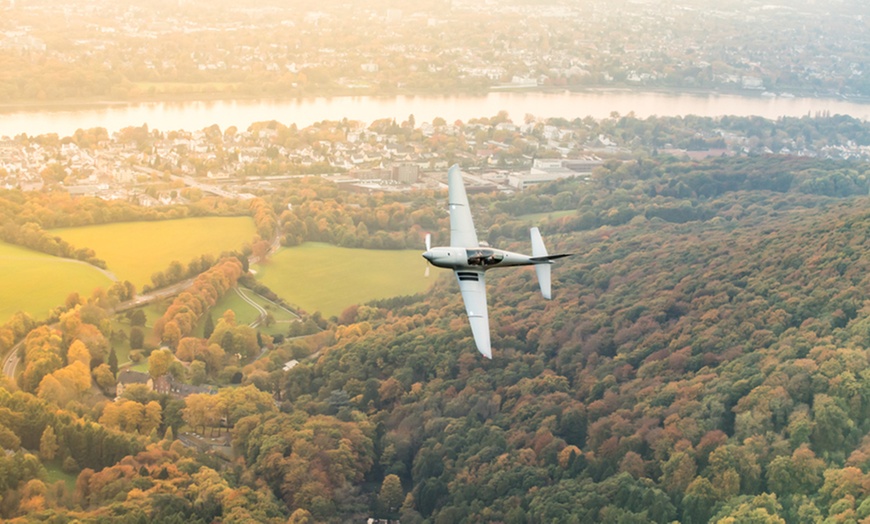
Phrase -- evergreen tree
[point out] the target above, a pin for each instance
(113, 362)
(138, 318)
(137, 338)
(208, 329)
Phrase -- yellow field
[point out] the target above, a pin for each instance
(36, 283)
(136, 250)
(320, 277)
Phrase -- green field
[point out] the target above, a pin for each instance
(320, 277)
(136, 250)
(36, 283)
(246, 314)
(120, 322)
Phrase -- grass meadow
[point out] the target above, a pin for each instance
(325, 278)
(120, 322)
(136, 250)
(245, 313)
(36, 283)
(54, 473)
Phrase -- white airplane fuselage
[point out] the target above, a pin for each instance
(470, 260)
(479, 258)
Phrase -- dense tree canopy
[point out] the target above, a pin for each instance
(704, 358)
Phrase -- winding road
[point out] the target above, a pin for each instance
(260, 310)
(10, 362)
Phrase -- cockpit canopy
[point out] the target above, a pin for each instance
(483, 257)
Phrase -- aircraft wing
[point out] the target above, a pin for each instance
(462, 232)
(473, 287)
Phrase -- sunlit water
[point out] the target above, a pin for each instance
(168, 116)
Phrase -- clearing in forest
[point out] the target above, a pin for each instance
(35, 283)
(136, 250)
(325, 278)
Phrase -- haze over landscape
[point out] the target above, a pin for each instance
(214, 307)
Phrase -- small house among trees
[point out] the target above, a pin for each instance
(164, 384)
(168, 385)
(128, 377)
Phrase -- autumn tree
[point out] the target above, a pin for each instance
(159, 362)
(183, 314)
(104, 377)
(202, 411)
(48, 444)
(391, 495)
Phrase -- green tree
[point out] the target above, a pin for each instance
(300, 516)
(833, 427)
(208, 328)
(137, 339)
(48, 444)
(699, 501)
(138, 318)
(113, 362)
(8, 439)
(678, 472)
(392, 494)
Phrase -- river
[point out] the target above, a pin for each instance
(195, 115)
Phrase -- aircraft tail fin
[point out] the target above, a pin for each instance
(538, 247)
(539, 250)
(542, 261)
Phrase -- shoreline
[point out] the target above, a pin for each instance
(26, 106)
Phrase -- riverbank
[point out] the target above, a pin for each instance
(241, 96)
(194, 115)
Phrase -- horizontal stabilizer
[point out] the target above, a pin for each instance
(542, 261)
(543, 272)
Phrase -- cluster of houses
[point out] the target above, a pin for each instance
(401, 158)
(164, 385)
(365, 159)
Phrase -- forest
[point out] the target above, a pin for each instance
(704, 359)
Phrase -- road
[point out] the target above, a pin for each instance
(11, 361)
(157, 294)
(261, 313)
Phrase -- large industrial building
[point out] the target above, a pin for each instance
(547, 169)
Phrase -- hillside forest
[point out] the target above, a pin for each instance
(704, 359)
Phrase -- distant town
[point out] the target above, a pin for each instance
(237, 164)
(150, 167)
(187, 48)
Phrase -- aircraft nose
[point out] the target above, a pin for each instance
(428, 256)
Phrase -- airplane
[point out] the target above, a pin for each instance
(470, 259)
